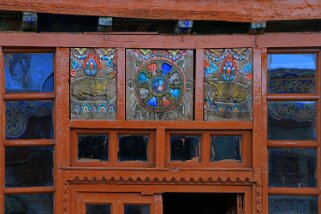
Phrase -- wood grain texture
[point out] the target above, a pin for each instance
(88, 40)
(191, 125)
(258, 145)
(239, 11)
(61, 121)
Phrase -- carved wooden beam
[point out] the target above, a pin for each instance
(239, 11)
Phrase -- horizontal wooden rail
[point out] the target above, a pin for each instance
(201, 125)
(20, 39)
(245, 11)
(29, 142)
(28, 190)
(292, 97)
(294, 191)
(292, 144)
(270, 40)
(29, 96)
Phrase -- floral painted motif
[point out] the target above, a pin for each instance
(93, 83)
(291, 81)
(159, 84)
(228, 84)
(292, 111)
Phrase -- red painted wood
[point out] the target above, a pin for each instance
(199, 86)
(19, 39)
(73, 177)
(245, 11)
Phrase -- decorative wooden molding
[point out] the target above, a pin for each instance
(65, 197)
(258, 198)
(162, 180)
(247, 11)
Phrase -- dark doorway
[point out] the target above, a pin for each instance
(200, 203)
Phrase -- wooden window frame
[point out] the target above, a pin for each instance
(315, 144)
(189, 163)
(62, 146)
(113, 149)
(205, 152)
(27, 96)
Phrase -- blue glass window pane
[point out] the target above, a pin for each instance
(29, 166)
(185, 147)
(29, 72)
(225, 148)
(93, 147)
(289, 204)
(133, 148)
(29, 120)
(292, 167)
(97, 209)
(29, 204)
(291, 73)
(291, 120)
(136, 209)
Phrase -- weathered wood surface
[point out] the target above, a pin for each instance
(86, 40)
(239, 11)
(159, 84)
(228, 78)
(93, 83)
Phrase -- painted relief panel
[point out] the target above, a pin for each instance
(93, 83)
(159, 84)
(228, 84)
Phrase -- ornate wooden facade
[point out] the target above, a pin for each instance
(116, 121)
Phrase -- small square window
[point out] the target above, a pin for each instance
(93, 147)
(29, 72)
(29, 120)
(29, 203)
(292, 167)
(97, 209)
(185, 147)
(29, 166)
(292, 73)
(133, 148)
(294, 204)
(292, 120)
(137, 209)
(226, 148)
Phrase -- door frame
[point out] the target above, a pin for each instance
(151, 194)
